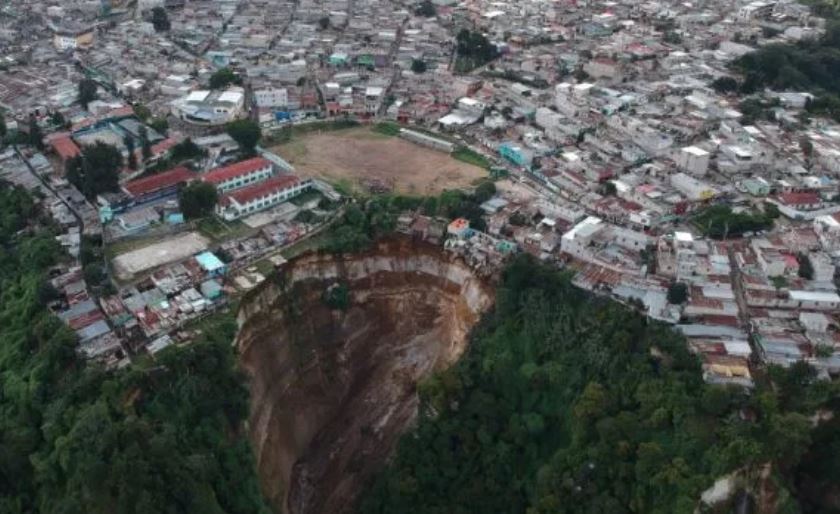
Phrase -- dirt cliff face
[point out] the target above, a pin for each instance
(333, 389)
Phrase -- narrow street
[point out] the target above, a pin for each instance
(735, 278)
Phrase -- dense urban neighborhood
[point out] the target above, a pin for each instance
(679, 158)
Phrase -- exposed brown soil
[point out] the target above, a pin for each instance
(333, 390)
(360, 157)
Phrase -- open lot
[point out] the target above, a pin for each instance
(359, 158)
(168, 250)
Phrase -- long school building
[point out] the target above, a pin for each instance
(239, 175)
(263, 195)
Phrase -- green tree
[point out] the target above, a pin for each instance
(87, 92)
(677, 293)
(473, 49)
(57, 119)
(337, 296)
(807, 148)
(128, 141)
(771, 211)
(426, 9)
(186, 149)
(806, 269)
(223, 78)
(96, 170)
(592, 403)
(672, 38)
(3, 129)
(324, 22)
(145, 144)
(485, 191)
(160, 125)
(719, 221)
(142, 112)
(725, 85)
(246, 133)
(160, 20)
(35, 137)
(607, 188)
(94, 274)
(198, 200)
(418, 66)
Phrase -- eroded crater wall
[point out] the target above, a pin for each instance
(332, 390)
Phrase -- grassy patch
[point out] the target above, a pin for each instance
(312, 243)
(779, 282)
(289, 132)
(264, 266)
(219, 230)
(213, 323)
(720, 222)
(464, 154)
(126, 245)
(343, 186)
(388, 128)
(307, 197)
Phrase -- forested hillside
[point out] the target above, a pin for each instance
(76, 439)
(572, 404)
(565, 403)
(810, 65)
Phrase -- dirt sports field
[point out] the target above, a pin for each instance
(364, 159)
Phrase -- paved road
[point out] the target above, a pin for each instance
(47, 185)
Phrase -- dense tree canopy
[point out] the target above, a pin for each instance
(719, 222)
(806, 269)
(223, 78)
(425, 8)
(473, 50)
(160, 20)
(807, 65)
(418, 66)
(96, 170)
(161, 438)
(246, 133)
(198, 200)
(184, 150)
(677, 293)
(35, 136)
(87, 92)
(725, 85)
(566, 403)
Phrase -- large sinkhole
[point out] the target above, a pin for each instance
(334, 347)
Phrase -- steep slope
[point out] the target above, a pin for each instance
(333, 388)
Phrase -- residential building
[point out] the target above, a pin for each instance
(240, 174)
(159, 185)
(694, 160)
(815, 300)
(210, 107)
(827, 229)
(757, 186)
(693, 189)
(516, 154)
(271, 97)
(72, 38)
(676, 256)
(260, 196)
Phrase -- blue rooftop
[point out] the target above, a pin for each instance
(209, 261)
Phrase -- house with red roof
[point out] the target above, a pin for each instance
(159, 185)
(805, 201)
(262, 195)
(240, 174)
(65, 148)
